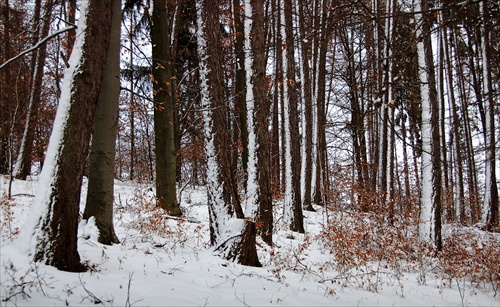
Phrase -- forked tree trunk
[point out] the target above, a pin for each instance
(53, 223)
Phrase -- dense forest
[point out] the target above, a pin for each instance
(379, 108)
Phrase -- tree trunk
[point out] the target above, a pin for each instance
(5, 90)
(223, 204)
(430, 214)
(23, 164)
(305, 29)
(490, 200)
(259, 193)
(164, 100)
(53, 223)
(240, 83)
(292, 204)
(100, 193)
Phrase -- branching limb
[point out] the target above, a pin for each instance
(37, 45)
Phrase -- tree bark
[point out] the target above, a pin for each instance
(56, 205)
(164, 100)
(259, 194)
(23, 164)
(293, 201)
(100, 193)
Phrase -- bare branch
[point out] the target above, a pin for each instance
(37, 45)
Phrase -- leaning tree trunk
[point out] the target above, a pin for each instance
(100, 190)
(53, 222)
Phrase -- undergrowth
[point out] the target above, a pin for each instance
(364, 246)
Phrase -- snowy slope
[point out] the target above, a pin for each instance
(167, 262)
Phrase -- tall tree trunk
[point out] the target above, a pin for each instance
(23, 164)
(53, 223)
(100, 192)
(277, 99)
(5, 90)
(490, 200)
(293, 202)
(305, 32)
(319, 140)
(240, 83)
(259, 193)
(455, 126)
(229, 233)
(430, 211)
(164, 106)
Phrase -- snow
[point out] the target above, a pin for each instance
(168, 262)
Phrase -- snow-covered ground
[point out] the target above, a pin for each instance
(168, 262)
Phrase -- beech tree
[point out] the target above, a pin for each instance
(53, 223)
(100, 190)
(164, 105)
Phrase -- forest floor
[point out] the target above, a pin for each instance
(343, 259)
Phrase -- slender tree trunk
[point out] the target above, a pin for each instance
(53, 224)
(455, 126)
(100, 192)
(5, 91)
(259, 191)
(276, 153)
(240, 83)
(166, 155)
(23, 164)
(293, 204)
(305, 32)
(490, 200)
(430, 211)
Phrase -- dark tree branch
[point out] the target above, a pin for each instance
(37, 45)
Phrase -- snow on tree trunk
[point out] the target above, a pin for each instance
(430, 223)
(258, 206)
(490, 202)
(252, 192)
(218, 212)
(50, 233)
(231, 235)
(292, 202)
